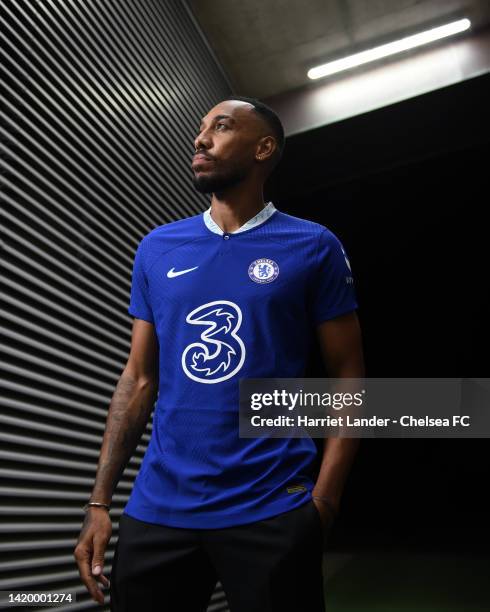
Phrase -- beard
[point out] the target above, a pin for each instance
(218, 183)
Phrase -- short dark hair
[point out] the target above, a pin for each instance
(272, 120)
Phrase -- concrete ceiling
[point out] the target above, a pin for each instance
(267, 46)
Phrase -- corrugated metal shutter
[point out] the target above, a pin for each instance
(100, 102)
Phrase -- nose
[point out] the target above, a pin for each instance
(202, 141)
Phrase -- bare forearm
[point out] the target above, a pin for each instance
(339, 452)
(129, 411)
(337, 460)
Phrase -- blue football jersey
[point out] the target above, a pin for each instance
(228, 306)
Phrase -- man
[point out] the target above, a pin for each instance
(228, 294)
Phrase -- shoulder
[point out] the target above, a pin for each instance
(168, 235)
(299, 224)
(304, 228)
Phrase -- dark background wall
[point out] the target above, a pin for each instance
(406, 190)
(99, 106)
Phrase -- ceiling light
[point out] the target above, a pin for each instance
(397, 46)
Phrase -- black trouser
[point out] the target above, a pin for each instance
(274, 565)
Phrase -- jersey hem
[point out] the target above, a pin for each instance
(199, 521)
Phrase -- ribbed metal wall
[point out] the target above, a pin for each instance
(100, 102)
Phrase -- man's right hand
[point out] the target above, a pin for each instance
(90, 549)
(129, 412)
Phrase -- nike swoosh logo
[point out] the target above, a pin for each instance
(172, 273)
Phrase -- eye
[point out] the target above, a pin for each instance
(221, 125)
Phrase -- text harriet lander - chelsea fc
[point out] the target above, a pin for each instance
(348, 421)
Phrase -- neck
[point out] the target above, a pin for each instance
(234, 208)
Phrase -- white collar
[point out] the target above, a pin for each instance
(259, 218)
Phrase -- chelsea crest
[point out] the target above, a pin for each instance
(263, 270)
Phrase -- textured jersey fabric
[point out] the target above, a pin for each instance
(227, 306)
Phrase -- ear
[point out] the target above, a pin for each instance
(266, 148)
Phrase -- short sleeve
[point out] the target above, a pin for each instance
(139, 302)
(332, 290)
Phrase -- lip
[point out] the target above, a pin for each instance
(200, 160)
(201, 157)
